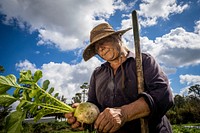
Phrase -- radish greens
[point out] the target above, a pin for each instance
(33, 99)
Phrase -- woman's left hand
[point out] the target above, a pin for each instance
(110, 120)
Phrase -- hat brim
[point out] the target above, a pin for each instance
(89, 51)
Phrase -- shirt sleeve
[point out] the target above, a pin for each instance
(157, 92)
(92, 91)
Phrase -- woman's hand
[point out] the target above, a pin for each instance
(110, 120)
(72, 120)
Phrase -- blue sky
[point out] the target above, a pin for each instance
(51, 35)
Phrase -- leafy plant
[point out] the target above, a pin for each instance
(4, 111)
(39, 101)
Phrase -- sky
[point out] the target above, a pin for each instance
(50, 35)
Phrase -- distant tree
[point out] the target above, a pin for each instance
(2, 69)
(174, 113)
(185, 110)
(84, 88)
(76, 98)
(179, 101)
(195, 89)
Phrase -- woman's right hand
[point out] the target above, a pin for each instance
(72, 120)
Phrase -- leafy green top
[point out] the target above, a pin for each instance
(33, 99)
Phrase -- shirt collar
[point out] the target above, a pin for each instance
(130, 55)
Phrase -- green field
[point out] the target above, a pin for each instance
(186, 128)
(62, 127)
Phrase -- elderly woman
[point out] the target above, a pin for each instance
(113, 86)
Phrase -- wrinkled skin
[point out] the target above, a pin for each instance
(110, 120)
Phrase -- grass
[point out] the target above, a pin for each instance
(63, 127)
(186, 128)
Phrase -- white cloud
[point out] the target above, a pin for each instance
(67, 27)
(26, 65)
(184, 91)
(189, 79)
(197, 27)
(152, 10)
(178, 48)
(37, 52)
(65, 78)
(62, 23)
(60, 41)
(168, 70)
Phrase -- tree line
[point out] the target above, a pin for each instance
(186, 108)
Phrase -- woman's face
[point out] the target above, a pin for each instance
(107, 50)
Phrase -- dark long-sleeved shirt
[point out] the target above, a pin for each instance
(106, 90)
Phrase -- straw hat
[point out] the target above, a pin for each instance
(99, 32)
